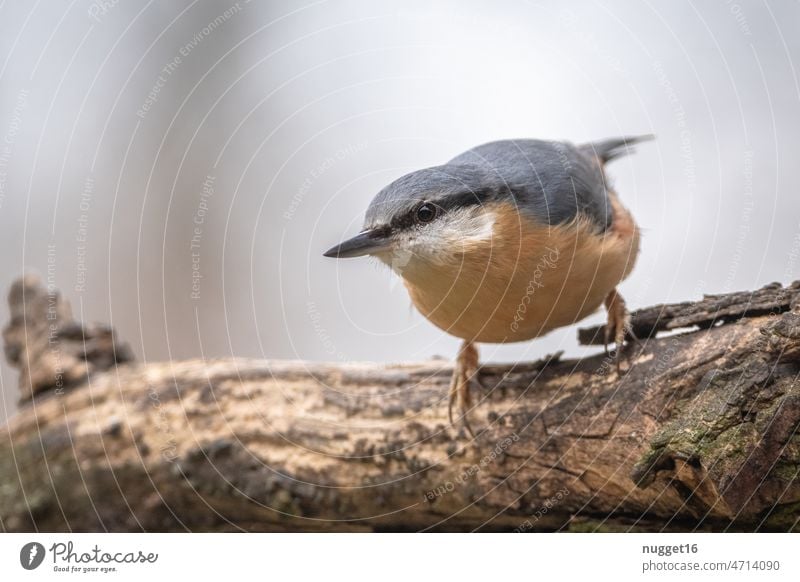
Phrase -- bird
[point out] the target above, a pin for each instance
(505, 243)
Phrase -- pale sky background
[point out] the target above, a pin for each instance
(297, 113)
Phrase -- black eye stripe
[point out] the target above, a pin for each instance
(403, 221)
(442, 205)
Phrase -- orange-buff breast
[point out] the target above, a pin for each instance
(528, 279)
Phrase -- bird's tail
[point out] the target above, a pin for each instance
(610, 149)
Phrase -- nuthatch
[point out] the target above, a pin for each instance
(506, 242)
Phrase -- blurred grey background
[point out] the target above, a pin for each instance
(177, 169)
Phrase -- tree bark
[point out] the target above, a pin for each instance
(698, 432)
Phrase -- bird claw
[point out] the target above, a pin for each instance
(618, 325)
(464, 373)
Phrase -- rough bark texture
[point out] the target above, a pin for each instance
(700, 431)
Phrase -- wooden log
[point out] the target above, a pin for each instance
(698, 432)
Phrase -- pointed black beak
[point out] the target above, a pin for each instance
(365, 243)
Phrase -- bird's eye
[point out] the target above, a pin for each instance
(426, 212)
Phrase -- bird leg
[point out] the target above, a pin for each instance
(465, 372)
(618, 324)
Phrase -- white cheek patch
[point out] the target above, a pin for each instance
(443, 241)
(471, 225)
(455, 232)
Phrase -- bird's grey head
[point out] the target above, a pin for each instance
(429, 215)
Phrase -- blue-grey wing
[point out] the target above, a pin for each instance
(552, 181)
